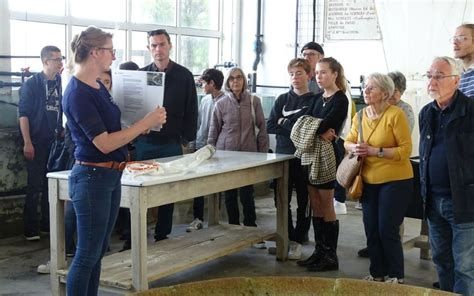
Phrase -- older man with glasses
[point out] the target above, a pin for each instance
(313, 52)
(447, 176)
(39, 109)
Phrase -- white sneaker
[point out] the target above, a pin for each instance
(340, 208)
(394, 280)
(370, 278)
(260, 245)
(358, 206)
(294, 252)
(44, 268)
(195, 225)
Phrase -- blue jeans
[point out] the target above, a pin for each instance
(149, 150)
(452, 246)
(384, 206)
(37, 191)
(95, 193)
(248, 205)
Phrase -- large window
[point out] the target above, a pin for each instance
(30, 38)
(195, 27)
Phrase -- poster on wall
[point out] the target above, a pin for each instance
(137, 93)
(351, 20)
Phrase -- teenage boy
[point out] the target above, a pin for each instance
(287, 109)
(212, 80)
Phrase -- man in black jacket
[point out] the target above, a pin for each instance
(180, 101)
(38, 108)
(447, 176)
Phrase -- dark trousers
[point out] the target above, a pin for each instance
(149, 150)
(339, 191)
(37, 191)
(384, 207)
(198, 208)
(248, 205)
(297, 179)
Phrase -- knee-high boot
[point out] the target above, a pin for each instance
(318, 223)
(329, 260)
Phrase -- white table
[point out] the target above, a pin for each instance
(132, 270)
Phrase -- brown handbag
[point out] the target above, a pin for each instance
(350, 164)
(354, 192)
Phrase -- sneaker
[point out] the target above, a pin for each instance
(358, 206)
(260, 245)
(44, 268)
(294, 252)
(394, 280)
(370, 278)
(195, 225)
(340, 208)
(364, 253)
(33, 237)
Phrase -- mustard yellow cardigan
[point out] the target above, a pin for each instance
(392, 132)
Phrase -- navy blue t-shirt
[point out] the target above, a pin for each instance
(89, 113)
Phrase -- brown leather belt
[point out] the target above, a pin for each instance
(115, 165)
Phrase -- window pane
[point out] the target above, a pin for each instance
(199, 53)
(53, 7)
(29, 38)
(140, 53)
(118, 40)
(160, 12)
(107, 10)
(200, 14)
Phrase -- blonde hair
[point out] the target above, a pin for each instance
(84, 42)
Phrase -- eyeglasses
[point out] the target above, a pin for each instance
(459, 38)
(57, 60)
(308, 54)
(437, 77)
(111, 50)
(236, 78)
(370, 88)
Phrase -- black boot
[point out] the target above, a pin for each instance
(329, 260)
(318, 240)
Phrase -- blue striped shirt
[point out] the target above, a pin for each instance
(467, 82)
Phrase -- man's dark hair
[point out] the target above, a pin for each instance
(47, 50)
(159, 32)
(128, 66)
(213, 75)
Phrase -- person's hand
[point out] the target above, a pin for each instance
(328, 135)
(156, 117)
(361, 149)
(29, 151)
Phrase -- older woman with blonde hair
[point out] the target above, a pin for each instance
(387, 175)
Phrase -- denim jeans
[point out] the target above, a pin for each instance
(70, 227)
(95, 193)
(148, 150)
(384, 207)
(339, 191)
(452, 246)
(37, 191)
(248, 205)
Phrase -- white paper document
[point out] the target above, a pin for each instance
(137, 93)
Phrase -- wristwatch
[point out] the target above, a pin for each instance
(380, 153)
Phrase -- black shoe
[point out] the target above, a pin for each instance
(364, 253)
(157, 239)
(313, 259)
(327, 263)
(127, 245)
(436, 285)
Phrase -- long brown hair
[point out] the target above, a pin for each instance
(336, 67)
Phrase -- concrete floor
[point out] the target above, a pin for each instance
(20, 258)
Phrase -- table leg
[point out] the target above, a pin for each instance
(56, 236)
(282, 214)
(138, 211)
(213, 208)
